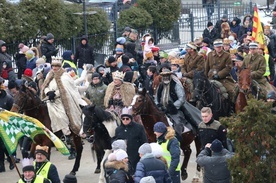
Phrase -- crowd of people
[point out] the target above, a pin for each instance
(220, 53)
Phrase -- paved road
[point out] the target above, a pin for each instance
(85, 173)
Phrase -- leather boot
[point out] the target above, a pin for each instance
(2, 167)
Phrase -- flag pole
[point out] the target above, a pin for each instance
(14, 164)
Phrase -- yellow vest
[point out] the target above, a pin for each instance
(38, 179)
(43, 171)
(167, 155)
(267, 70)
(72, 64)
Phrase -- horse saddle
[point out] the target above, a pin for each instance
(221, 89)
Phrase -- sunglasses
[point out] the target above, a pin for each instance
(125, 119)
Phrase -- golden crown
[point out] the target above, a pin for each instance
(118, 75)
(56, 61)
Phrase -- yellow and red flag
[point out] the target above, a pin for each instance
(257, 30)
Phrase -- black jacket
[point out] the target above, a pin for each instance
(6, 101)
(84, 54)
(212, 35)
(48, 50)
(135, 136)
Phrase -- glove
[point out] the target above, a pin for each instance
(171, 109)
(161, 107)
(216, 77)
(51, 95)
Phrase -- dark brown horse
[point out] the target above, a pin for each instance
(144, 105)
(29, 103)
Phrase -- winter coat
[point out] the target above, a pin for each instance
(272, 45)
(192, 63)
(6, 101)
(96, 93)
(48, 50)
(66, 101)
(218, 25)
(150, 166)
(135, 136)
(243, 30)
(257, 65)
(3, 56)
(235, 28)
(8, 73)
(21, 62)
(117, 170)
(112, 69)
(210, 131)
(212, 35)
(52, 173)
(31, 64)
(215, 166)
(84, 54)
(173, 148)
(147, 84)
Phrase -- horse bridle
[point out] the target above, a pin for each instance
(141, 107)
(21, 108)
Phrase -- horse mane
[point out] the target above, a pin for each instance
(98, 113)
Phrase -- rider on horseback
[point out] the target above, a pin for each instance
(218, 67)
(170, 97)
(257, 64)
(193, 61)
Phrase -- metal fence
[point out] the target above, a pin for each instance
(191, 23)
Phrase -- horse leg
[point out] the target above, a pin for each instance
(100, 155)
(187, 139)
(102, 178)
(79, 148)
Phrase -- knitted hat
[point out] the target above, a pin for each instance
(148, 179)
(120, 155)
(224, 16)
(96, 75)
(23, 48)
(160, 127)
(145, 148)
(27, 165)
(121, 40)
(118, 144)
(49, 36)
(209, 24)
(126, 112)
(216, 146)
(156, 149)
(163, 54)
(70, 179)
(28, 72)
(271, 95)
(29, 54)
(42, 149)
(155, 48)
(40, 61)
(111, 157)
(206, 40)
(111, 59)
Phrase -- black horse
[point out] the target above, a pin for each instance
(208, 95)
(103, 123)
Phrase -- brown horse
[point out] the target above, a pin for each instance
(144, 105)
(29, 103)
(248, 88)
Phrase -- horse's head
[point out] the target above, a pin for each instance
(88, 121)
(245, 80)
(138, 101)
(199, 82)
(25, 100)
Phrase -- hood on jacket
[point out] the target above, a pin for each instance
(84, 37)
(98, 67)
(67, 55)
(9, 64)
(238, 21)
(247, 17)
(118, 165)
(2, 43)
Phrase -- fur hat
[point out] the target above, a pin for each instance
(126, 112)
(120, 155)
(27, 165)
(225, 26)
(119, 144)
(209, 24)
(42, 149)
(23, 48)
(144, 149)
(148, 179)
(271, 95)
(160, 127)
(156, 149)
(216, 146)
(49, 36)
(70, 179)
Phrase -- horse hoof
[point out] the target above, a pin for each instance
(97, 170)
(72, 173)
(195, 180)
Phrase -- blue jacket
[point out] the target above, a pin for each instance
(31, 64)
(150, 166)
